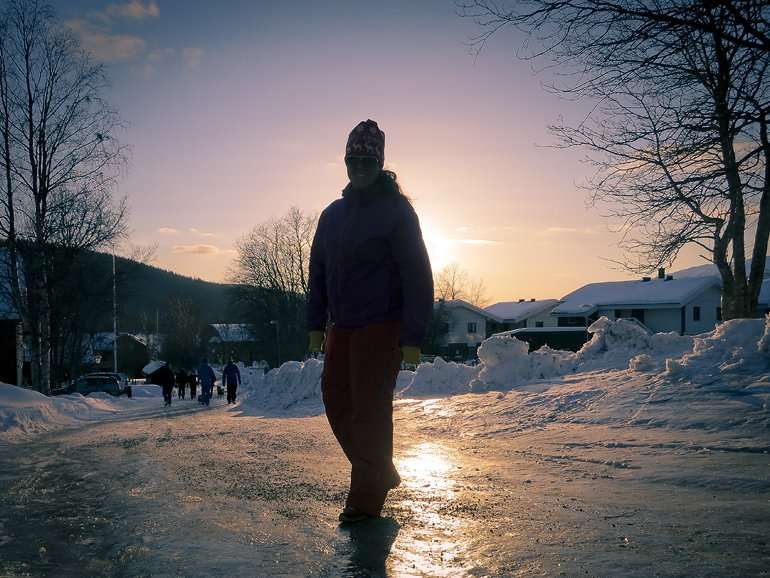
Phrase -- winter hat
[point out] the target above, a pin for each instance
(366, 140)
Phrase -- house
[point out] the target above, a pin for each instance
(237, 340)
(466, 327)
(687, 305)
(133, 353)
(522, 313)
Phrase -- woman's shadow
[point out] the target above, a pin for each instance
(364, 547)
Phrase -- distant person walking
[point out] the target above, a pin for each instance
(181, 382)
(164, 377)
(370, 277)
(192, 379)
(207, 378)
(231, 375)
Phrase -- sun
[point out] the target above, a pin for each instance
(438, 246)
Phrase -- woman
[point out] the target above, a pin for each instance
(370, 278)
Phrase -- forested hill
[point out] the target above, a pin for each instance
(144, 294)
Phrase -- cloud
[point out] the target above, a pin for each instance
(569, 231)
(133, 10)
(200, 233)
(192, 56)
(168, 231)
(198, 249)
(476, 241)
(103, 45)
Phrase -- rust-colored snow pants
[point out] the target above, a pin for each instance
(360, 370)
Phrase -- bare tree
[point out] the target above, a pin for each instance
(454, 282)
(59, 161)
(271, 274)
(678, 130)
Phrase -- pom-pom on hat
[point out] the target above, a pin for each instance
(366, 140)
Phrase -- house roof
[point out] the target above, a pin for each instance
(455, 303)
(516, 311)
(103, 340)
(636, 294)
(234, 332)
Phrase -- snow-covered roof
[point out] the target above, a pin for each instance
(636, 294)
(454, 303)
(234, 332)
(516, 311)
(103, 340)
(710, 270)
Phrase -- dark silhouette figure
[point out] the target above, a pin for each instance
(231, 376)
(371, 276)
(165, 378)
(181, 382)
(192, 379)
(207, 378)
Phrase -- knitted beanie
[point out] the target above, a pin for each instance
(366, 140)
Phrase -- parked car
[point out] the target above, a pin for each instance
(100, 382)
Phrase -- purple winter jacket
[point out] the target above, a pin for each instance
(369, 264)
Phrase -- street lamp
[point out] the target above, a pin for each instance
(274, 322)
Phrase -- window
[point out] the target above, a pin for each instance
(538, 323)
(638, 314)
(696, 313)
(719, 314)
(471, 327)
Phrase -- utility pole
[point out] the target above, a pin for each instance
(114, 316)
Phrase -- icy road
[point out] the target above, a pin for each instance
(221, 493)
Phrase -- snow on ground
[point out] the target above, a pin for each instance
(715, 381)
(24, 411)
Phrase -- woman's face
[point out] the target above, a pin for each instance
(362, 171)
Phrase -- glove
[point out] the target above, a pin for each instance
(316, 339)
(410, 354)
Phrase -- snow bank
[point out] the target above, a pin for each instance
(735, 346)
(438, 378)
(24, 411)
(294, 384)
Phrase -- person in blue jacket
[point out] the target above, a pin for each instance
(207, 378)
(231, 376)
(370, 299)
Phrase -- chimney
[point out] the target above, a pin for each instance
(522, 300)
(661, 273)
(669, 277)
(645, 278)
(532, 300)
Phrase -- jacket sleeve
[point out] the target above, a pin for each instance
(317, 303)
(413, 262)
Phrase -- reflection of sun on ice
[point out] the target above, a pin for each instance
(427, 465)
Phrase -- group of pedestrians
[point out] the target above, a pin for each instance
(182, 380)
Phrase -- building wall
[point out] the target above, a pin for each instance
(663, 320)
(459, 317)
(708, 301)
(545, 317)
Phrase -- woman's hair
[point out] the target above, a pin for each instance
(392, 176)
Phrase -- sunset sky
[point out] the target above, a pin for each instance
(238, 110)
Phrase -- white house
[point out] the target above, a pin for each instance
(467, 327)
(686, 305)
(522, 313)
